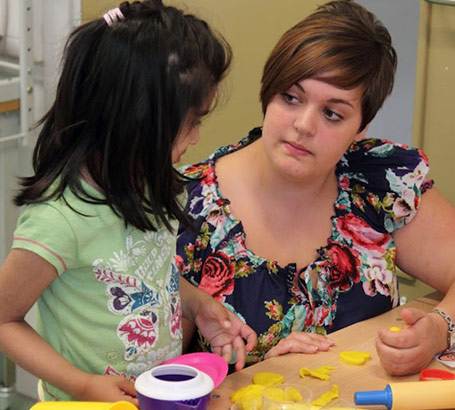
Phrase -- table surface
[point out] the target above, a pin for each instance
(349, 378)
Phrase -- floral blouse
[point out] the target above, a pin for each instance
(379, 189)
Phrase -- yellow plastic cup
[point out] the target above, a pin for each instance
(340, 404)
(83, 405)
(286, 397)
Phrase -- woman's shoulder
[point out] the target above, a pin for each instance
(383, 148)
(205, 169)
(385, 176)
(203, 194)
(378, 158)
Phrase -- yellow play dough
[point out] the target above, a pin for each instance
(292, 394)
(322, 372)
(274, 393)
(249, 404)
(252, 391)
(268, 378)
(250, 397)
(395, 329)
(355, 357)
(288, 398)
(327, 397)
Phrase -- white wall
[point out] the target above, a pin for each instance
(53, 20)
(401, 17)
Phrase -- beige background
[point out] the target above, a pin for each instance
(434, 114)
(252, 27)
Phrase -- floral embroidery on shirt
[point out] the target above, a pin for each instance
(379, 188)
(131, 297)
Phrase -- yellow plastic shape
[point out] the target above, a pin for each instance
(268, 378)
(395, 329)
(327, 397)
(252, 391)
(355, 357)
(322, 373)
(83, 405)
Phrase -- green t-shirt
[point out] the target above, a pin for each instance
(115, 306)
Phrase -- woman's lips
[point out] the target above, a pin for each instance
(296, 149)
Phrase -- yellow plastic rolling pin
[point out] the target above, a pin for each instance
(427, 395)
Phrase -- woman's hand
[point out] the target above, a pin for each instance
(411, 349)
(108, 389)
(301, 342)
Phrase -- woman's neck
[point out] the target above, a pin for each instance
(275, 186)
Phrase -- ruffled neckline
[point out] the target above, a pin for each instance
(225, 203)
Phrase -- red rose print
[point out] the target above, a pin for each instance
(344, 265)
(309, 318)
(344, 182)
(217, 276)
(362, 234)
(203, 171)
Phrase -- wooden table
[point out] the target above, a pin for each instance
(349, 378)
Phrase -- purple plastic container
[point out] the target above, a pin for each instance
(173, 387)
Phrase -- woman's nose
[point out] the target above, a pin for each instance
(305, 121)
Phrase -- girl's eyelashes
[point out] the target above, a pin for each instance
(197, 122)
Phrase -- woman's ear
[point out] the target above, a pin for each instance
(361, 134)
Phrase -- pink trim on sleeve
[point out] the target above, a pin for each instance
(45, 248)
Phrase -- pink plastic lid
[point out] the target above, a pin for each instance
(209, 363)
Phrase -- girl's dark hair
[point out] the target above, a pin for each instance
(123, 95)
(341, 38)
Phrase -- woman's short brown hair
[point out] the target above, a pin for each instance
(343, 39)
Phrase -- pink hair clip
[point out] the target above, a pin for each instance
(113, 15)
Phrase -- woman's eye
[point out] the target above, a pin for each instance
(290, 99)
(332, 116)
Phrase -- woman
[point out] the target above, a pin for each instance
(301, 225)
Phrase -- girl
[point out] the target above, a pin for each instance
(95, 243)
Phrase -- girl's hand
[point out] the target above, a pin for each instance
(108, 389)
(225, 331)
(301, 342)
(411, 349)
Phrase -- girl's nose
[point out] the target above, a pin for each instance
(305, 121)
(195, 137)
